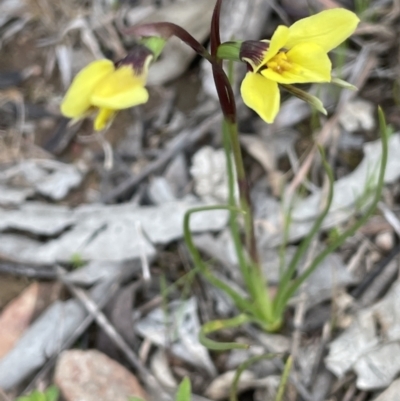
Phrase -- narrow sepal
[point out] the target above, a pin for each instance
(343, 84)
(215, 37)
(305, 96)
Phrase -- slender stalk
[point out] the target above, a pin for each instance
(253, 278)
(233, 223)
(251, 272)
(244, 194)
(228, 105)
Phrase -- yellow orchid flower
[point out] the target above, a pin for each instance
(294, 55)
(106, 87)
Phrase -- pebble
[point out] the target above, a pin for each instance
(92, 376)
(385, 240)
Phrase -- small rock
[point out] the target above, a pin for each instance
(358, 115)
(220, 388)
(160, 191)
(378, 368)
(93, 376)
(176, 174)
(385, 240)
(267, 388)
(209, 173)
(13, 196)
(161, 368)
(274, 343)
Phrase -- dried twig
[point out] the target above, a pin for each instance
(93, 309)
(71, 340)
(17, 269)
(3, 396)
(373, 274)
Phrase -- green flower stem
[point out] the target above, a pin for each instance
(252, 274)
(244, 194)
(223, 85)
(256, 283)
(233, 223)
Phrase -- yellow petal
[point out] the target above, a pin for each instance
(120, 90)
(103, 119)
(327, 29)
(261, 95)
(309, 63)
(76, 101)
(278, 41)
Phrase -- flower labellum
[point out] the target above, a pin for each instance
(106, 87)
(294, 55)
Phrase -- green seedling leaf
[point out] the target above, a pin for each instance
(38, 396)
(77, 261)
(52, 393)
(184, 392)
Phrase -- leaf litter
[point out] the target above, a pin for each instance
(47, 218)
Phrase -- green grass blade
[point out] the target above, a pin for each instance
(184, 392)
(280, 299)
(217, 325)
(284, 379)
(352, 230)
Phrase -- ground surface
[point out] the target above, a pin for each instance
(93, 221)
